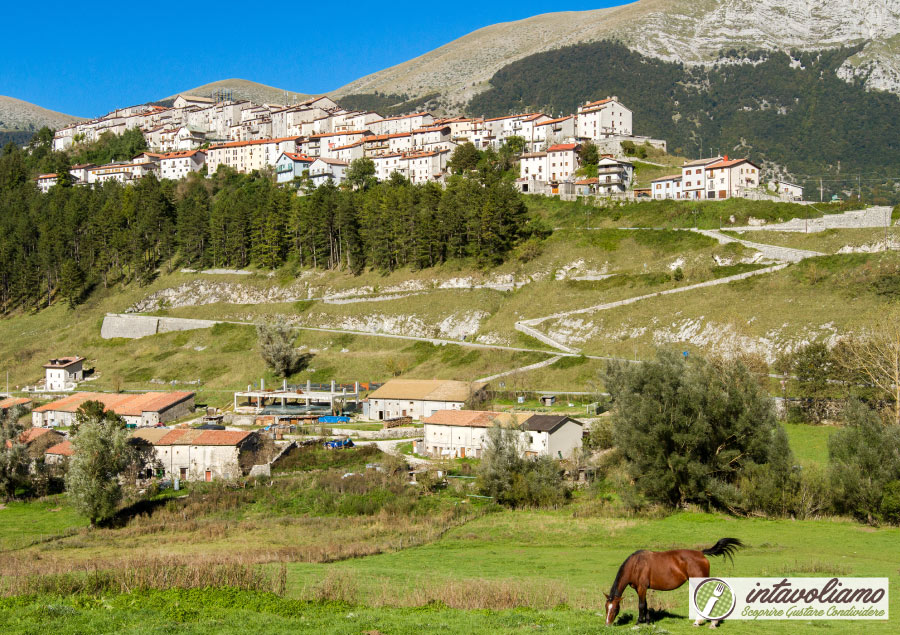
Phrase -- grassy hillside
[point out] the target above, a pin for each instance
(765, 105)
(244, 89)
(572, 269)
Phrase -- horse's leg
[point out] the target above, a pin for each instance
(700, 569)
(643, 613)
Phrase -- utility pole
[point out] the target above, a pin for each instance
(821, 190)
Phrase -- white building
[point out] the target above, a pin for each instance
(462, 433)
(291, 165)
(403, 123)
(553, 131)
(183, 101)
(604, 118)
(562, 161)
(177, 165)
(418, 398)
(246, 156)
(787, 191)
(667, 187)
(139, 409)
(731, 177)
(46, 181)
(322, 170)
(190, 454)
(693, 179)
(62, 373)
(418, 167)
(533, 166)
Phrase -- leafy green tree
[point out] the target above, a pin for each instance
(589, 154)
(688, 428)
(864, 463)
(13, 458)
(464, 159)
(102, 454)
(509, 478)
(276, 346)
(361, 174)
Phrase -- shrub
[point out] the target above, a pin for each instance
(513, 480)
(689, 428)
(864, 465)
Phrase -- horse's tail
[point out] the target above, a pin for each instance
(725, 547)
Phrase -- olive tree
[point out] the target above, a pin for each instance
(276, 345)
(102, 453)
(13, 458)
(688, 428)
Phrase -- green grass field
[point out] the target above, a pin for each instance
(501, 572)
(557, 563)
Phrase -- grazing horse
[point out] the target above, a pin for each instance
(662, 571)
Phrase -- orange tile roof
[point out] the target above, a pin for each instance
(525, 115)
(463, 418)
(299, 157)
(562, 147)
(547, 123)
(597, 103)
(234, 144)
(31, 434)
(192, 436)
(47, 176)
(62, 449)
(11, 402)
(183, 154)
(728, 163)
(123, 404)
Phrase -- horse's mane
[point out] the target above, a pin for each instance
(614, 592)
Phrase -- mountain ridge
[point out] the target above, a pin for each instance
(685, 31)
(18, 115)
(245, 89)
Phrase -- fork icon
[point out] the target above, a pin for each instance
(711, 602)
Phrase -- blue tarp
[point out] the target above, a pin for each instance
(330, 419)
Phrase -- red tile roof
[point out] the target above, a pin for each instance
(729, 163)
(133, 405)
(562, 147)
(183, 154)
(235, 144)
(552, 121)
(62, 449)
(192, 436)
(31, 434)
(529, 115)
(11, 402)
(294, 156)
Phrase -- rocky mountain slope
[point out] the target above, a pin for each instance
(688, 31)
(18, 115)
(245, 89)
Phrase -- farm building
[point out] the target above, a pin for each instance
(38, 440)
(145, 409)
(198, 455)
(59, 453)
(14, 402)
(462, 433)
(62, 373)
(418, 398)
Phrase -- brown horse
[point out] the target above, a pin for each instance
(661, 571)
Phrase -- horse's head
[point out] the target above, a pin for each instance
(612, 609)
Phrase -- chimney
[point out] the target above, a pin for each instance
(726, 157)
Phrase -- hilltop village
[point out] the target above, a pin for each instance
(317, 140)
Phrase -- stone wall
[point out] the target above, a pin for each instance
(137, 326)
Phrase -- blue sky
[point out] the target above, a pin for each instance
(84, 60)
